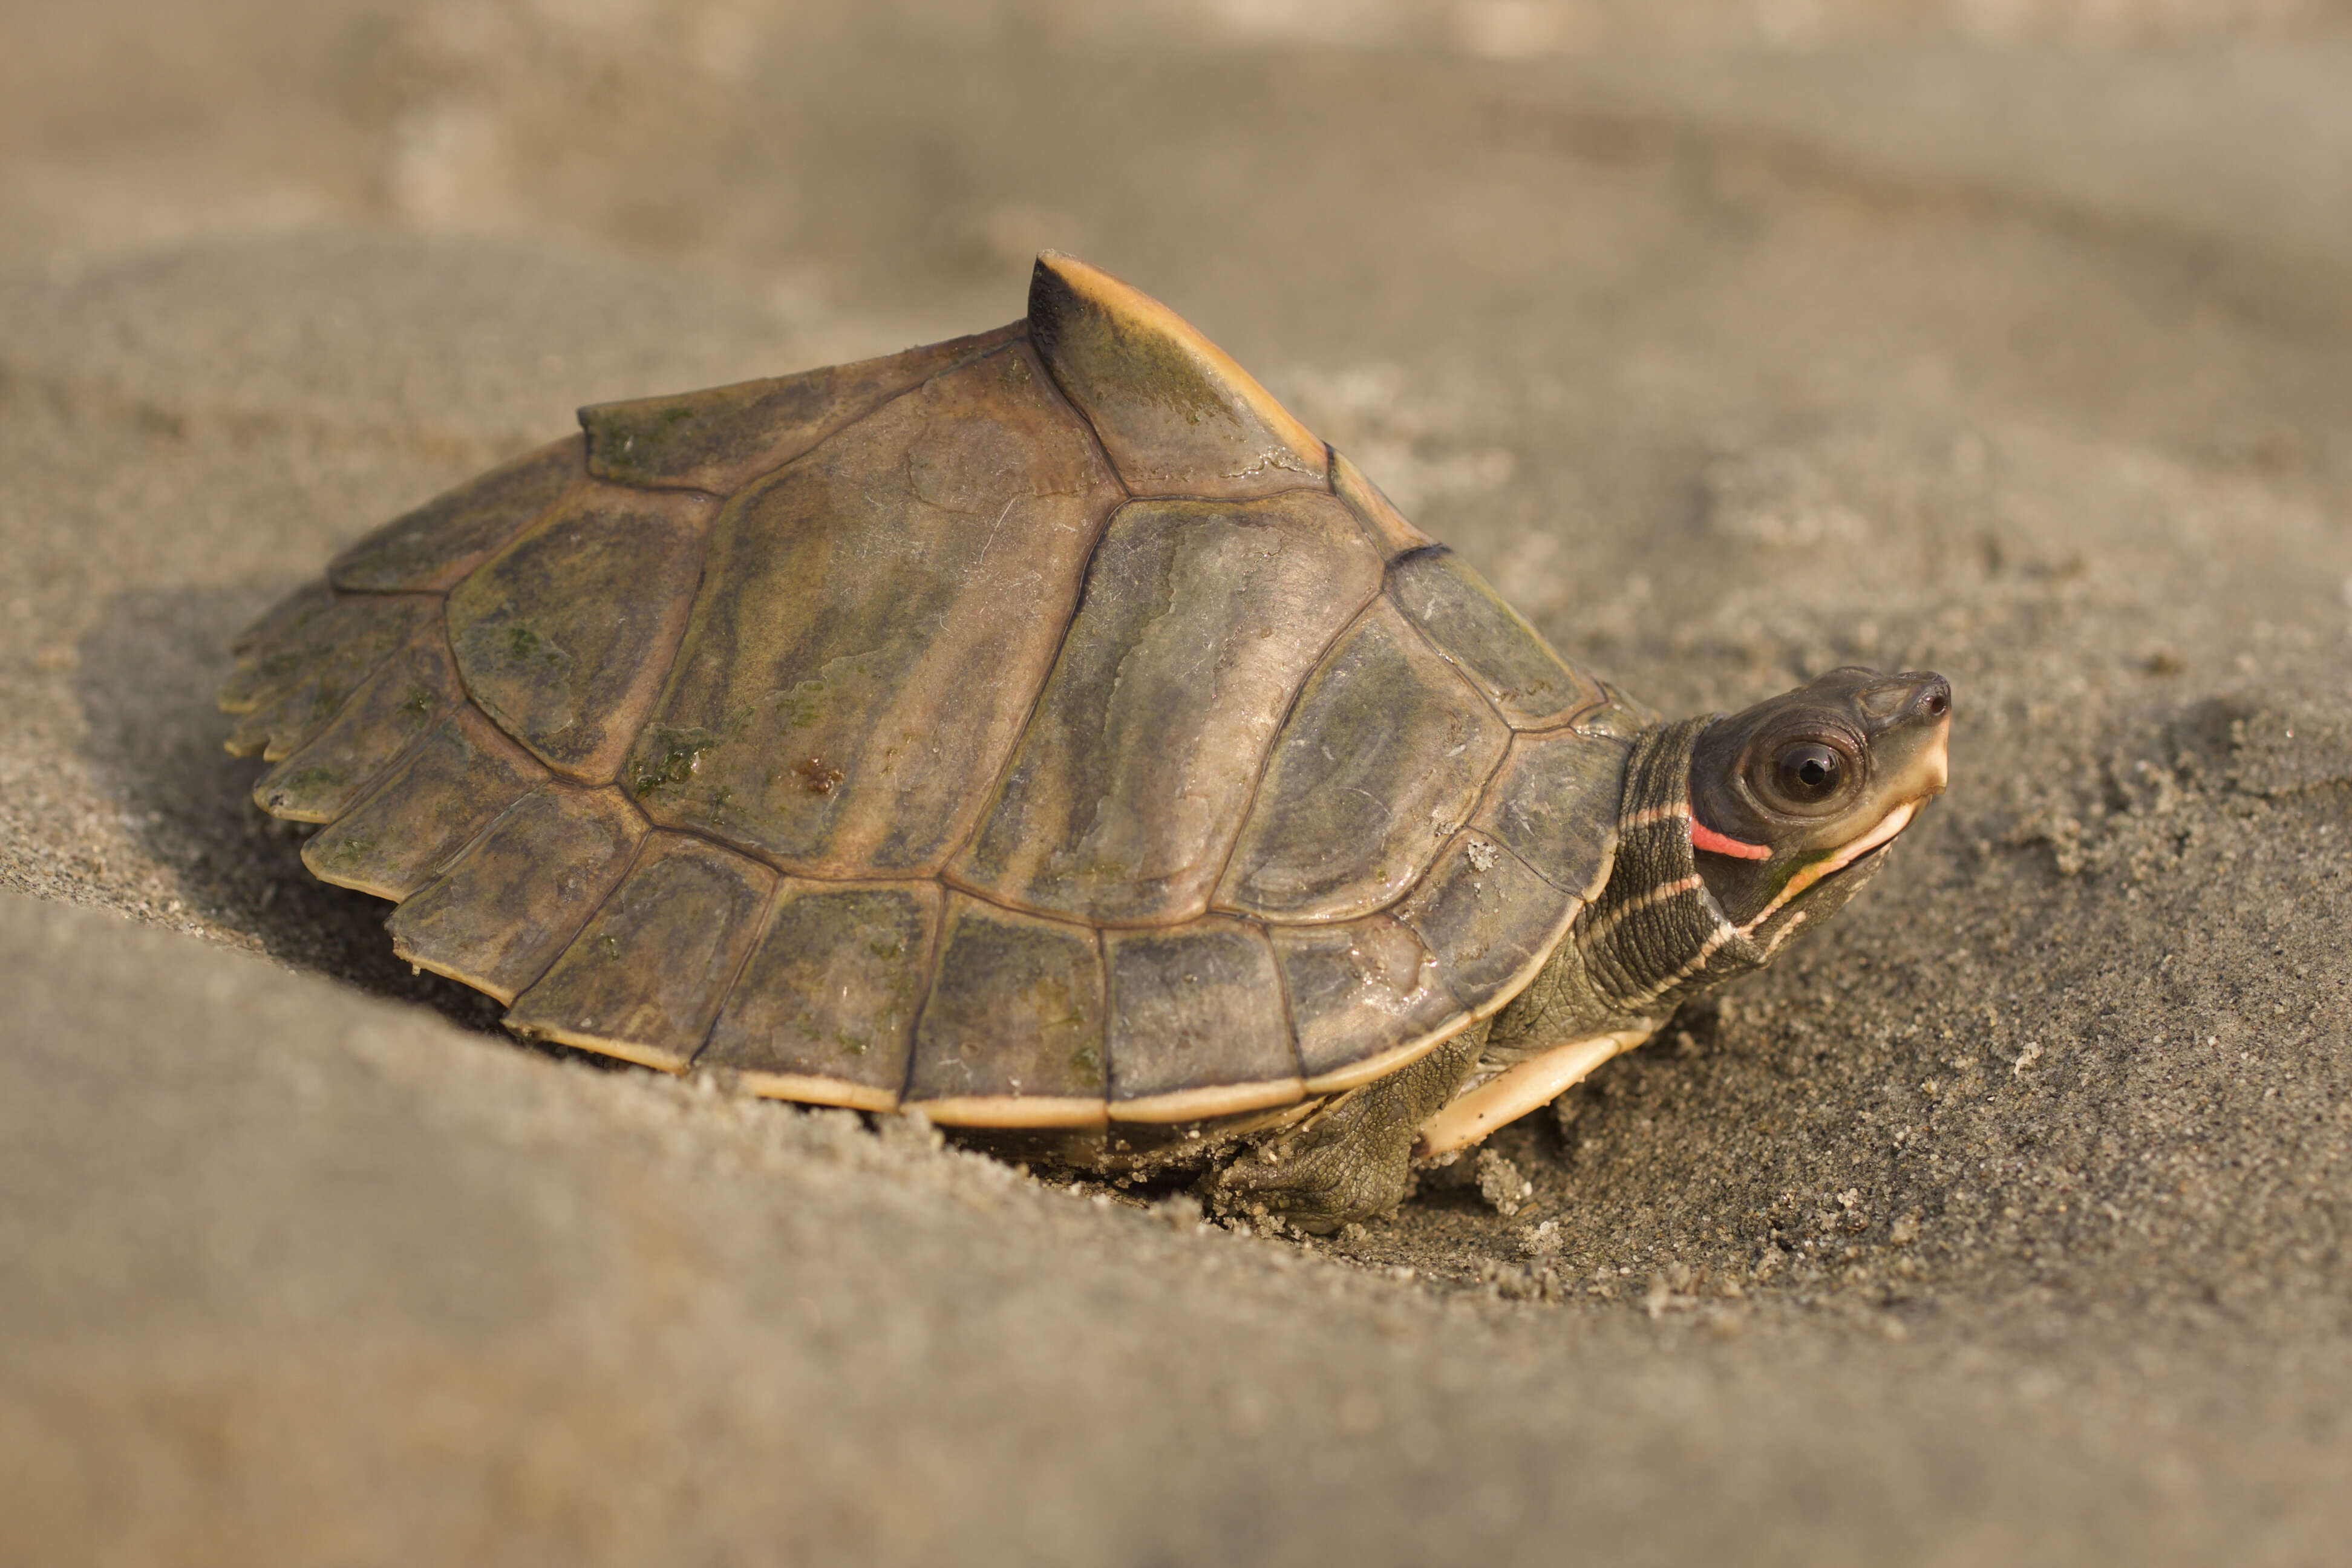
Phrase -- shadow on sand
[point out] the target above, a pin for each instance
(147, 673)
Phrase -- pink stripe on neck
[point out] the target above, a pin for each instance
(1714, 843)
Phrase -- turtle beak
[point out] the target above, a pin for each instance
(1913, 740)
(1935, 767)
(1911, 734)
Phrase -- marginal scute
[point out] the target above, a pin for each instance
(1365, 997)
(410, 694)
(429, 550)
(1199, 622)
(270, 627)
(1382, 759)
(497, 915)
(1378, 515)
(721, 440)
(1490, 642)
(450, 786)
(646, 976)
(1177, 416)
(824, 1010)
(1554, 805)
(1490, 920)
(285, 648)
(293, 681)
(565, 636)
(873, 626)
(1012, 1035)
(1197, 1024)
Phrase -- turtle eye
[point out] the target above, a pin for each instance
(1807, 773)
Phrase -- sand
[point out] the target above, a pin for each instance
(2004, 1221)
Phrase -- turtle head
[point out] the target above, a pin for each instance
(1792, 800)
(1735, 833)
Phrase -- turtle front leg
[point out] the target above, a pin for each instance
(1350, 1160)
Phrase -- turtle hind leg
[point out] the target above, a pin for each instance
(1350, 1160)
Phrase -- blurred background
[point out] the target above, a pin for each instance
(1563, 274)
(863, 151)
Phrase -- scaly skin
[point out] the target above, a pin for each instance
(1351, 1159)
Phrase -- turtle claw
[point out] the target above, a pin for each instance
(1351, 1160)
(1324, 1175)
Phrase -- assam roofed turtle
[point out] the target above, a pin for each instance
(1045, 731)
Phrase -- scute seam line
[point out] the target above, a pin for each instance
(759, 931)
(460, 853)
(376, 785)
(1568, 720)
(1123, 497)
(677, 644)
(540, 972)
(587, 444)
(932, 927)
(455, 714)
(1274, 742)
(637, 858)
(1331, 484)
(530, 520)
(939, 955)
(1199, 499)
(710, 530)
(1389, 593)
(416, 639)
(338, 594)
(1282, 989)
(1584, 896)
(1507, 991)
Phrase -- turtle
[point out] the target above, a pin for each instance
(1044, 734)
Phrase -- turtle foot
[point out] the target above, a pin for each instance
(1351, 1160)
(1318, 1179)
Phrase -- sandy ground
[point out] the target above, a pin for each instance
(2005, 1222)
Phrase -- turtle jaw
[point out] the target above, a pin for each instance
(1934, 774)
(1808, 877)
(1913, 755)
(1915, 768)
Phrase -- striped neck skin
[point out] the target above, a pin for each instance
(1656, 933)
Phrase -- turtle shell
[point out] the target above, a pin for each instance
(1040, 728)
